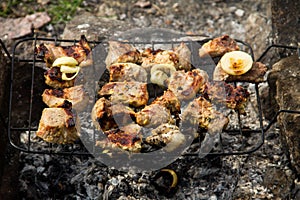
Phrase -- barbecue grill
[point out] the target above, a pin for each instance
(235, 140)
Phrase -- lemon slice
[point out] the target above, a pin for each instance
(65, 61)
(236, 62)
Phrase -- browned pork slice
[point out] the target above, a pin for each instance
(75, 95)
(233, 97)
(255, 75)
(185, 85)
(128, 137)
(184, 55)
(153, 115)
(106, 116)
(53, 78)
(132, 93)
(127, 72)
(152, 57)
(58, 125)
(122, 53)
(218, 46)
(168, 100)
(80, 51)
(167, 136)
(200, 112)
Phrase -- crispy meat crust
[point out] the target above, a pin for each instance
(58, 125)
(57, 97)
(132, 93)
(255, 75)
(50, 52)
(121, 52)
(153, 115)
(167, 135)
(218, 46)
(234, 97)
(127, 72)
(151, 57)
(185, 85)
(200, 112)
(168, 100)
(128, 137)
(53, 78)
(106, 116)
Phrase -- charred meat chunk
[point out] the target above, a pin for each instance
(167, 136)
(127, 72)
(122, 53)
(218, 46)
(57, 97)
(106, 116)
(50, 52)
(200, 113)
(154, 115)
(132, 93)
(168, 100)
(185, 85)
(53, 78)
(58, 125)
(127, 138)
(234, 97)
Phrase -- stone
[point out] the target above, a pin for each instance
(19, 27)
(93, 27)
(284, 81)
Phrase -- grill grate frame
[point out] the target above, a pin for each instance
(78, 148)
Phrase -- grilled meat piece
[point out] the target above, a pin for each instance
(218, 46)
(57, 97)
(254, 75)
(58, 125)
(234, 97)
(167, 136)
(80, 51)
(128, 137)
(184, 54)
(127, 72)
(200, 112)
(53, 78)
(132, 93)
(185, 85)
(153, 115)
(168, 100)
(106, 116)
(122, 53)
(151, 57)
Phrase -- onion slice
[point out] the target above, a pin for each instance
(236, 62)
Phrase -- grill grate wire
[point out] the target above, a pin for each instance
(79, 149)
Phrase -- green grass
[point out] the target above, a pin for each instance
(6, 7)
(63, 10)
(60, 11)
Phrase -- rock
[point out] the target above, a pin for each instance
(278, 182)
(94, 28)
(19, 27)
(284, 81)
(258, 29)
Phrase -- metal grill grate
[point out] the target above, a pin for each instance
(235, 140)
